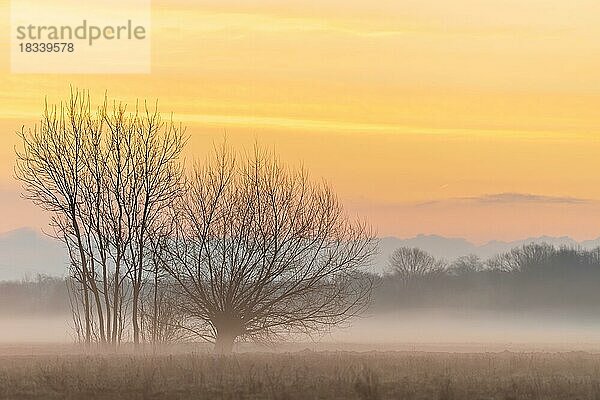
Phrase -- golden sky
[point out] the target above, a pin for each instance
(464, 118)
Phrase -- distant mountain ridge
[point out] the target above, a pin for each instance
(26, 252)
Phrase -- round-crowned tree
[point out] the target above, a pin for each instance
(260, 251)
(412, 264)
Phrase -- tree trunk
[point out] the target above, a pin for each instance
(85, 277)
(224, 342)
(136, 326)
(155, 308)
(100, 313)
(137, 291)
(106, 295)
(228, 328)
(116, 303)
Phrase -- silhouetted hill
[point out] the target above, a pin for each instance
(26, 252)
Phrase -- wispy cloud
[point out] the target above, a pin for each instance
(526, 198)
(202, 21)
(511, 198)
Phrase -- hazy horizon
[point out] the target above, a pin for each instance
(35, 252)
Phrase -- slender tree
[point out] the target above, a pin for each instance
(51, 165)
(153, 171)
(106, 176)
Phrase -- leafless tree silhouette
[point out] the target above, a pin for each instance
(409, 264)
(106, 175)
(522, 258)
(466, 264)
(259, 250)
(152, 181)
(51, 166)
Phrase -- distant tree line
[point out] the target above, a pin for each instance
(534, 277)
(40, 296)
(531, 277)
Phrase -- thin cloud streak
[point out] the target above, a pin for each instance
(511, 198)
(527, 198)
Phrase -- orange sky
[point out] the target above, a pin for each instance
(463, 118)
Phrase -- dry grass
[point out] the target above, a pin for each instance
(303, 375)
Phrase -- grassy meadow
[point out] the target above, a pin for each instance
(302, 375)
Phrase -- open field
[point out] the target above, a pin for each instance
(302, 375)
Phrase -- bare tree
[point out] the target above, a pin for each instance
(162, 318)
(520, 259)
(106, 177)
(149, 180)
(466, 264)
(259, 250)
(410, 264)
(51, 165)
(161, 315)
